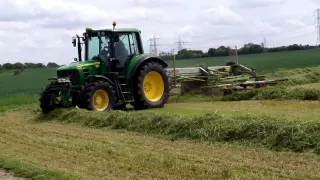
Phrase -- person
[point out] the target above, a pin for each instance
(121, 52)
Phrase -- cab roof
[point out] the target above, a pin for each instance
(115, 30)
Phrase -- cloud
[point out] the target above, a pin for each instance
(258, 3)
(220, 15)
(41, 30)
(157, 3)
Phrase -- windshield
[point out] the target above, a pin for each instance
(98, 47)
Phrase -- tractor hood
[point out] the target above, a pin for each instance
(79, 65)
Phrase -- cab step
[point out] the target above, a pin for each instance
(126, 93)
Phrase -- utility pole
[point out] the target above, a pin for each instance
(174, 68)
(153, 45)
(318, 26)
(150, 45)
(180, 44)
(264, 42)
(155, 49)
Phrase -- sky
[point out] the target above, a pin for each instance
(41, 31)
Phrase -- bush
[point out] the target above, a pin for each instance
(273, 133)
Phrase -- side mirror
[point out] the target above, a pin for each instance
(74, 42)
(75, 59)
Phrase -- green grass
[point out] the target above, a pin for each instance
(266, 62)
(26, 170)
(298, 76)
(309, 86)
(29, 81)
(8, 102)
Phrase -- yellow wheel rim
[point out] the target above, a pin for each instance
(153, 86)
(100, 100)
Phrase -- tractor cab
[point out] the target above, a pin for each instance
(114, 48)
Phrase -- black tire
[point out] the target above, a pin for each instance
(105, 88)
(142, 101)
(120, 107)
(46, 100)
(259, 79)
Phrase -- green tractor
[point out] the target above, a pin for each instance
(115, 72)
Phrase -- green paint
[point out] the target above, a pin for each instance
(134, 61)
(79, 65)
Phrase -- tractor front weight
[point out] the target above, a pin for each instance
(56, 94)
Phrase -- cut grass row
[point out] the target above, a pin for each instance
(88, 153)
(287, 109)
(197, 105)
(270, 132)
(278, 93)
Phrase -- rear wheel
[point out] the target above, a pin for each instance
(99, 96)
(152, 87)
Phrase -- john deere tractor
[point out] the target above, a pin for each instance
(115, 72)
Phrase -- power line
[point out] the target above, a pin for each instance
(318, 26)
(180, 44)
(153, 45)
(264, 42)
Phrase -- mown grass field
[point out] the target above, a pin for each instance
(269, 134)
(266, 62)
(104, 153)
(267, 139)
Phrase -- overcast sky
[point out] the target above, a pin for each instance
(41, 30)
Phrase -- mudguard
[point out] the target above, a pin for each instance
(100, 77)
(139, 60)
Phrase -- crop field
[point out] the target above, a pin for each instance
(272, 133)
(266, 62)
(30, 81)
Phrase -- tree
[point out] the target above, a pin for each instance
(52, 65)
(7, 66)
(211, 52)
(18, 65)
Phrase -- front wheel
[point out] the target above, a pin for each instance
(99, 96)
(152, 87)
(47, 100)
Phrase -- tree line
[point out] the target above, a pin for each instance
(249, 48)
(18, 65)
